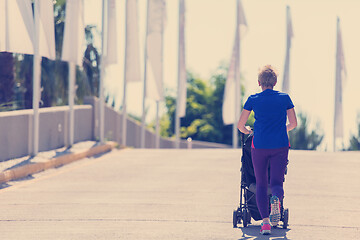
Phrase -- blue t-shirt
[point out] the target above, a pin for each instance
(270, 109)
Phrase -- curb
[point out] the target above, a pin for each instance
(32, 168)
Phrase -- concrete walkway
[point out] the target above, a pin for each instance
(177, 194)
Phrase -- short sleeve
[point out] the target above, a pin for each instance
(290, 104)
(248, 104)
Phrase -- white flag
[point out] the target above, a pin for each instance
(228, 110)
(182, 65)
(289, 36)
(16, 26)
(111, 43)
(47, 32)
(132, 61)
(155, 26)
(340, 78)
(74, 33)
(229, 93)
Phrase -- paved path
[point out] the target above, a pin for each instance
(177, 194)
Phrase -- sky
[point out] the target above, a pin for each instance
(210, 31)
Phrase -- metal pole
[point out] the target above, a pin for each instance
(142, 135)
(102, 72)
(7, 42)
(36, 80)
(286, 80)
(177, 118)
(237, 80)
(337, 82)
(162, 77)
(177, 125)
(124, 113)
(157, 128)
(189, 143)
(72, 76)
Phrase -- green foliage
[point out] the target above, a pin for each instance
(203, 119)
(164, 125)
(134, 117)
(300, 138)
(54, 74)
(91, 62)
(60, 2)
(355, 140)
(167, 122)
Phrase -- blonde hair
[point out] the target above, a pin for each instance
(267, 76)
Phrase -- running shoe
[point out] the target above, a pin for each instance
(275, 211)
(265, 228)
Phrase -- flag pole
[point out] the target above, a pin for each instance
(157, 128)
(36, 80)
(289, 35)
(142, 135)
(177, 125)
(7, 41)
(337, 81)
(102, 72)
(177, 120)
(237, 80)
(72, 77)
(124, 113)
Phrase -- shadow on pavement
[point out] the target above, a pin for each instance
(27, 161)
(70, 150)
(4, 185)
(99, 155)
(253, 233)
(60, 153)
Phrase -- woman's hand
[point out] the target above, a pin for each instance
(249, 129)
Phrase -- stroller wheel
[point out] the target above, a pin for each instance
(235, 219)
(286, 218)
(246, 217)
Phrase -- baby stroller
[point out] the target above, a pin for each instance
(248, 207)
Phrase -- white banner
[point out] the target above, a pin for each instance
(132, 61)
(339, 82)
(74, 33)
(229, 102)
(155, 26)
(228, 110)
(47, 32)
(16, 26)
(111, 43)
(289, 36)
(182, 66)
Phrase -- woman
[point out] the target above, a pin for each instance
(270, 143)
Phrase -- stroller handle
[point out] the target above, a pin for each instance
(245, 137)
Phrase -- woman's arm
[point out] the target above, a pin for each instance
(292, 119)
(242, 121)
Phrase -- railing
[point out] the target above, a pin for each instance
(16, 130)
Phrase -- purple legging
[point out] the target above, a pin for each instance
(278, 161)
